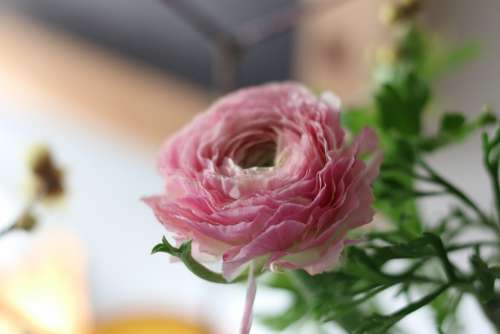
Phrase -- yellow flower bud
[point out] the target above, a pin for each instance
(399, 11)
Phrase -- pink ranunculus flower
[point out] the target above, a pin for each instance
(266, 176)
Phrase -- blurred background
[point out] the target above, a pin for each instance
(103, 83)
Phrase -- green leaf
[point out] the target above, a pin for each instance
(414, 249)
(488, 117)
(360, 264)
(445, 307)
(495, 271)
(436, 242)
(381, 324)
(454, 128)
(413, 48)
(400, 104)
(443, 58)
(460, 55)
(427, 245)
(485, 278)
(339, 296)
(357, 118)
(377, 324)
(296, 311)
(452, 122)
(184, 254)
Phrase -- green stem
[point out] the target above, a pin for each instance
(436, 242)
(20, 222)
(184, 254)
(492, 311)
(8, 229)
(496, 187)
(492, 168)
(382, 324)
(368, 295)
(459, 194)
(463, 246)
(397, 316)
(200, 270)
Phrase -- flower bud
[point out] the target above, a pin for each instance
(49, 178)
(26, 222)
(399, 11)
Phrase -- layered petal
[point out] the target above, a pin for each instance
(266, 175)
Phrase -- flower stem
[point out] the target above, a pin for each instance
(419, 303)
(184, 254)
(492, 312)
(453, 190)
(459, 247)
(25, 220)
(246, 322)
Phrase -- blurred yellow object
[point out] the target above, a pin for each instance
(149, 325)
(46, 292)
(7, 326)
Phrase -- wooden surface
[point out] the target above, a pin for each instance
(65, 74)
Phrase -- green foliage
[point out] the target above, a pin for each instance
(403, 89)
(491, 150)
(400, 104)
(446, 58)
(484, 278)
(452, 123)
(357, 118)
(445, 308)
(454, 127)
(381, 324)
(297, 309)
(407, 257)
(346, 295)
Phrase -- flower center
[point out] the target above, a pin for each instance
(259, 155)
